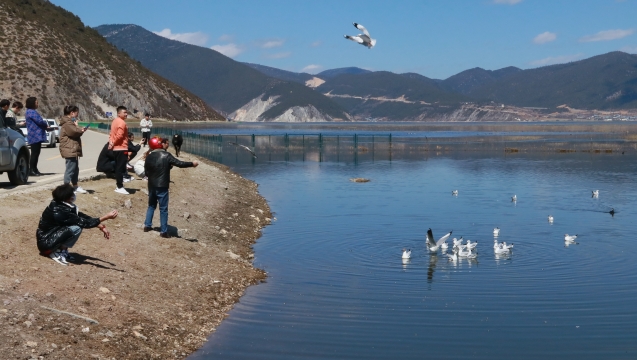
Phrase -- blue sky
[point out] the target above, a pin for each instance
(435, 38)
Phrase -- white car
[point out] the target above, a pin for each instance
(50, 136)
(53, 124)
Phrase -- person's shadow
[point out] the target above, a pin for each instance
(80, 259)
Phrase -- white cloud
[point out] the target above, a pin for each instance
(312, 68)
(552, 60)
(507, 2)
(226, 38)
(280, 55)
(316, 43)
(194, 38)
(229, 50)
(545, 37)
(629, 49)
(607, 35)
(269, 44)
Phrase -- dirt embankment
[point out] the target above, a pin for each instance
(154, 298)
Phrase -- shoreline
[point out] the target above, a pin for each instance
(152, 297)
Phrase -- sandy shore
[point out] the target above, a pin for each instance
(153, 298)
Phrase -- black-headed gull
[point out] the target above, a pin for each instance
(364, 39)
(406, 254)
(435, 245)
(550, 218)
(514, 198)
(570, 238)
(496, 231)
(244, 147)
(466, 253)
(595, 193)
(455, 192)
(470, 246)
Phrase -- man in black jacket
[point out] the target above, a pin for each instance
(157, 168)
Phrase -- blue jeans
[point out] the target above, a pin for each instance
(157, 195)
(77, 231)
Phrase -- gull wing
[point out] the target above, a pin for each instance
(362, 28)
(430, 237)
(245, 147)
(442, 239)
(354, 38)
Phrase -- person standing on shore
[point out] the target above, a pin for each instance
(157, 169)
(36, 133)
(4, 107)
(146, 124)
(71, 146)
(118, 142)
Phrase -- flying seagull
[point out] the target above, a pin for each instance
(434, 245)
(245, 147)
(364, 39)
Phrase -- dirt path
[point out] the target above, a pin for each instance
(153, 298)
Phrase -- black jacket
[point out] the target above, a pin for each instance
(105, 160)
(157, 167)
(133, 149)
(53, 227)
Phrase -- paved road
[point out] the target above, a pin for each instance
(52, 165)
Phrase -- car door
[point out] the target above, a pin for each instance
(5, 150)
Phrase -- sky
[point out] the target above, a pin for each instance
(434, 38)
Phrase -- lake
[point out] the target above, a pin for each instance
(337, 287)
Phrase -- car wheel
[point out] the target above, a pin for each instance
(20, 175)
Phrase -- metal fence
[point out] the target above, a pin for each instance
(360, 148)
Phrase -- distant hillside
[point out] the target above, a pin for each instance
(390, 96)
(606, 81)
(327, 74)
(232, 87)
(464, 82)
(48, 53)
(281, 74)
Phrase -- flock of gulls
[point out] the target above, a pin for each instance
(467, 250)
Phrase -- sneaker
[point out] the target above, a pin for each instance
(127, 180)
(129, 166)
(79, 190)
(68, 257)
(145, 178)
(58, 258)
(122, 191)
(147, 228)
(164, 235)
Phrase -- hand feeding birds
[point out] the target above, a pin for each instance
(364, 39)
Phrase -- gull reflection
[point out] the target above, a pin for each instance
(433, 260)
(405, 263)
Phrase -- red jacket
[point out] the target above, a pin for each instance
(119, 135)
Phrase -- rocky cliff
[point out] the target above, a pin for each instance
(47, 52)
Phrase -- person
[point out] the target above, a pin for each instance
(157, 168)
(106, 161)
(11, 118)
(139, 166)
(71, 146)
(36, 133)
(62, 223)
(146, 124)
(118, 142)
(4, 107)
(131, 153)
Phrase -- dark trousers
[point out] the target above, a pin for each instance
(35, 156)
(145, 135)
(120, 167)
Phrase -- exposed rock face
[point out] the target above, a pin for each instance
(66, 63)
(253, 111)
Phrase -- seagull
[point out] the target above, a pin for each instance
(514, 198)
(454, 256)
(245, 147)
(570, 238)
(470, 246)
(496, 231)
(501, 249)
(550, 218)
(507, 247)
(435, 245)
(364, 39)
(457, 243)
(612, 212)
(595, 193)
(455, 192)
(495, 244)
(406, 254)
(466, 254)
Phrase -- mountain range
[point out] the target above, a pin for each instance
(68, 63)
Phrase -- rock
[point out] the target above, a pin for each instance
(113, 297)
(251, 256)
(95, 197)
(217, 227)
(138, 327)
(144, 190)
(128, 204)
(54, 346)
(223, 232)
(235, 214)
(109, 333)
(32, 344)
(104, 290)
(184, 202)
(31, 317)
(268, 219)
(186, 215)
(233, 255)
(252, 216)
(27, 323)
(86, 329)
(182, 232)
(199, 214)
(105, 340)
(4, 311)
(140, 335)
(83, 310)
(260, 211)
(49, 294)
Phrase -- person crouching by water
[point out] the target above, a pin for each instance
(157, 169)
(62, 223)
(71, 146)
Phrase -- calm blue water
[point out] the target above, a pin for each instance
(337, 288)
